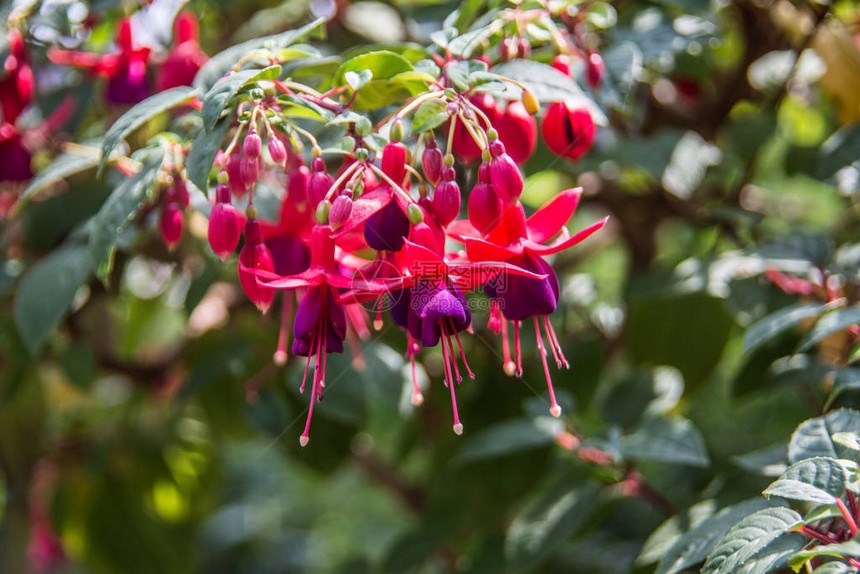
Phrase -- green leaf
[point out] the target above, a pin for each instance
(59, 169)
(830, 323)
(833, 568)
(601, 15)
(219, 97)
(296, 107)
(222, 62)
(673, 440)
(356, 80)
(770, 326)
(757, 544)
(813, 438)
(119, 210)
(817, 479)
(46, 292)
(550, 85)
(838, 151)
(667, 534)
(140, 114)
(384, 88)
(693, 547)
(509, 437)
(467, 44)
(459, 72)
(204, 149)
(547, 523)
(430, 114)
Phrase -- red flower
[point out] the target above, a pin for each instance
(125, 69)
(16, 85)
(186, 58)
(568, 130)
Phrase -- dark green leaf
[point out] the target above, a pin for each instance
(59, 169)
(47, 290)
(673, 440)
(814, 437)
(204, 149)
(830, 323)
(693, 547)
(120, 209)
(767, 328)
(140, 114)
(509, 437)
(758, 544)
(817, 479)
(840, 150)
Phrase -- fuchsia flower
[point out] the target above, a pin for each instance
(186, 58)
(124, 69)
(520, 242)
(15, 165)
(16, 79)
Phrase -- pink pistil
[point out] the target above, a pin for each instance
(462, 353)
(556, 347)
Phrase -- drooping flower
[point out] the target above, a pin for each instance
(518, 131)
(521, 243)
(15, 165)
(125, 69)
(186, 58)
(568, 130)
(16, 79)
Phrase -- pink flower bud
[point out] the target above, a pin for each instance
(446, 198)
(340, 212)
(170, 224)
(562, 64)
(518, 131)
(253, 145)
(431, 162)
(255, 255)
(567, 130)
(524, 49)
(394, 161)
(298, 183)
(225, 224)
(277, 151)
(234, 174)
(485, 207)
(182, 197)
(320, 183)
(250, 171)
(504, 174)
(594, 70)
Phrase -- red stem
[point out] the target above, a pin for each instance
(812, 533)
(852, 524)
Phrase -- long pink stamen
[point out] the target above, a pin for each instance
(517, 349)
(305, 438)
(555, 341)
(458, 426)
(549, 342)
(508, 366)
(462, 353)
(495, 321)
(554, 409)
(280, 356)
(417, 397)
(305, 377)
(451, 355)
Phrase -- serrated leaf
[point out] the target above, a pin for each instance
(294, 106)
(550, 85)
(459, 72)
(850, 548)
(673, 440)
(60, 168)
(819, 480)
(118, 210)
(769, 461)
(546, 524)
(509, 437)
(667, 534)
(834, 568)
(430, 114)
(814, 437)
(757, 544)
(219, 97)
(204, 149)
(140, 114)
(46, 292)
(466, 44)
(830, 323)
(822, 512)
(694, 546)
(770, 326)
(382, 90)
(222, 62)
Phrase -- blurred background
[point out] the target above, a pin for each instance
(150, 432)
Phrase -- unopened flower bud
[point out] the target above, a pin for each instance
(504, 174)
(320, 183)
(530, 102)
(255, 255)
(397, 131)
(361, 154)
(394, 161)
(567, 130)
(562, 64)
(594, 70)
(182, 197)
(431, 161)
(225, 226)
(446, 201)
(340, 211)
(170, 224)
(250, 171)
(323, 210)
(485, 206)
(252, 145)
(414, 213)
(277, 151)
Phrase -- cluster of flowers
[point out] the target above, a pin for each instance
(425, 260)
